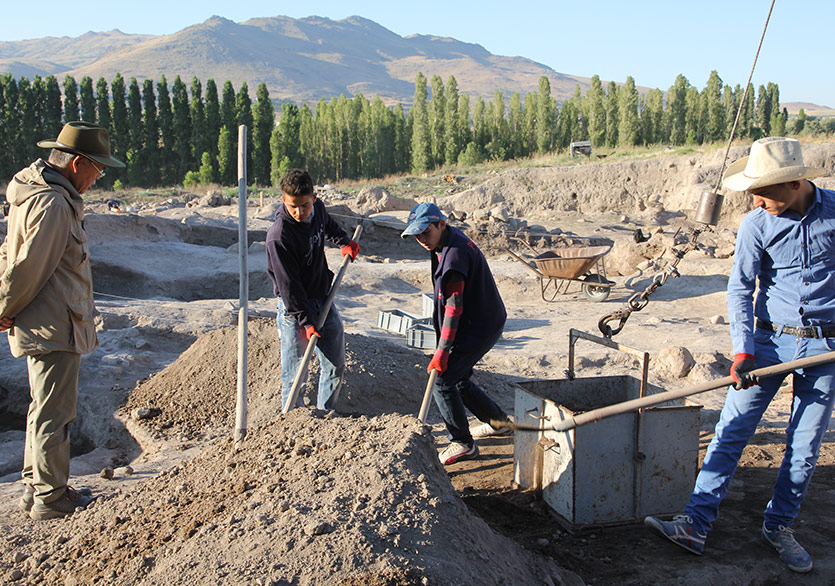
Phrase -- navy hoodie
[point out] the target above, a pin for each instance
(296, 259)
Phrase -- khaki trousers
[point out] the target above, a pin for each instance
(53, 388)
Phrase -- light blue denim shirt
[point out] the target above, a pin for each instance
(794, 258)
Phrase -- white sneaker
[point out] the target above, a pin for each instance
(486, 430)
(456, 451)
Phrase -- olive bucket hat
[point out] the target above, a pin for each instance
(85, 139)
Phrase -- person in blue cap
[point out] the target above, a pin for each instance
(468, 316)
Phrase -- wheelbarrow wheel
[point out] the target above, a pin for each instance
(596, 288)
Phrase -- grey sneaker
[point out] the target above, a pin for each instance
(456, 451)
(67, 504)
(680, 531)
(791, 552)
(486, 430)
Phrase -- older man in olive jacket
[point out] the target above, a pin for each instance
(46, 304)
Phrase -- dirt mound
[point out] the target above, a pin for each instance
(310, 499)
(195, 396)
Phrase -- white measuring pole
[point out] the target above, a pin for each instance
(240, 403)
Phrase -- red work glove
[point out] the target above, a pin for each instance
(352, 249)
(740, 371)
(309, 331)
(438, 362)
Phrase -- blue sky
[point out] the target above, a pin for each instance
(651, 40)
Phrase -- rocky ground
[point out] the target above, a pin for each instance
(358, 497)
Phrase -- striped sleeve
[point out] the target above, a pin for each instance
(453, 288)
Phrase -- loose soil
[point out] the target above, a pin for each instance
(358, 496)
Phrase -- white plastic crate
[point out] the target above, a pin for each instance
(421, 336)
(428, 307)
(397, 321)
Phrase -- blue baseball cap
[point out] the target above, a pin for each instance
(420, 217)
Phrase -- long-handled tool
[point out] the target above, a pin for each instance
(427, 397)
(323, 315)
(649, 400)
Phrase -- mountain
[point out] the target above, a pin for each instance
(298, 59)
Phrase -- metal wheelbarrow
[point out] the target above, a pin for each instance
(557, 268)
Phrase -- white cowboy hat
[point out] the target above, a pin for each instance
(772, 160)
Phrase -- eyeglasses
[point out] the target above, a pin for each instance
(101, 171)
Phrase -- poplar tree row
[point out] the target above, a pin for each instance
(168, 135)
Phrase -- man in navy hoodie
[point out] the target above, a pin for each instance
(469, 317)
(301, 279)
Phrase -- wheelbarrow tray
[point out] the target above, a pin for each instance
(570, 262)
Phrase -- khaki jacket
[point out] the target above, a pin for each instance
(47, 284)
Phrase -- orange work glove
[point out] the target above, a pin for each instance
(352, 249)
(740, 369)
(309, 331)
(438, 362)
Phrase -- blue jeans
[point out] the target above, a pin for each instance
(453, 391)
(330, 349)
(814, 393)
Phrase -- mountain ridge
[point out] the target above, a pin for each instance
(299, 60)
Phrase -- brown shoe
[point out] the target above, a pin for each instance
(27, 499)
(66, 505)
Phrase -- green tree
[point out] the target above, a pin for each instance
(263, 124)
(692, 104)
(197, 111)
(516, 126)
(165, 116)
(227, 165)
(103, 117)
(612, 115)
(730, 101)
(207, 171)
(531, 109)
(51, 113)
(544, 115)
(227, 156)
(677, 110)
(88, 100)
(134, 114)
(421, 155)
(120, 139)
(13, 145)
(213, 120)
(715, 127)
(800, 121)
(652, 117)
(481, 135)
(452, 123)
(181, 113)
(596, 112)
(28, 113)
(628, 125)
(777, 123)
(764, 109)
(285, 144)
(71, 104)
(437, 121)
(243, 112)
(147, 172)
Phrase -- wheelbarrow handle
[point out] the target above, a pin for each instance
(531, 266)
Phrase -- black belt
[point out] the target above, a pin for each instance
(807, 332)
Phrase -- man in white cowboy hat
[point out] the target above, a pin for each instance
(786, 247)
(46, 304)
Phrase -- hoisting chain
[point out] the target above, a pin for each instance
(640, 300)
